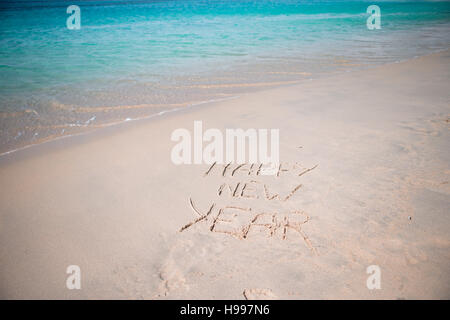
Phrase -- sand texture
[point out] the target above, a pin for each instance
(364, 180)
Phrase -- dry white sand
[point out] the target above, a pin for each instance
(113, 203)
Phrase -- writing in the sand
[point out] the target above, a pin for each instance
(242, 194)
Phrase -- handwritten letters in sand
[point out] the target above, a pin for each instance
(251, 204)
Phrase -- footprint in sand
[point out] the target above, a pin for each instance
(172, 279)
(414, 256)
(259, 294)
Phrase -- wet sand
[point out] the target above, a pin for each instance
(365, 180)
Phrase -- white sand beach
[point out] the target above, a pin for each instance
(377, 193)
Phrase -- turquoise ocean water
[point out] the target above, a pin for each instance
(132, 59)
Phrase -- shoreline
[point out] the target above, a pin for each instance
(207, 102)
(112, 124)
(377, 192)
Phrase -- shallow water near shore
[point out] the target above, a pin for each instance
(139, 58)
